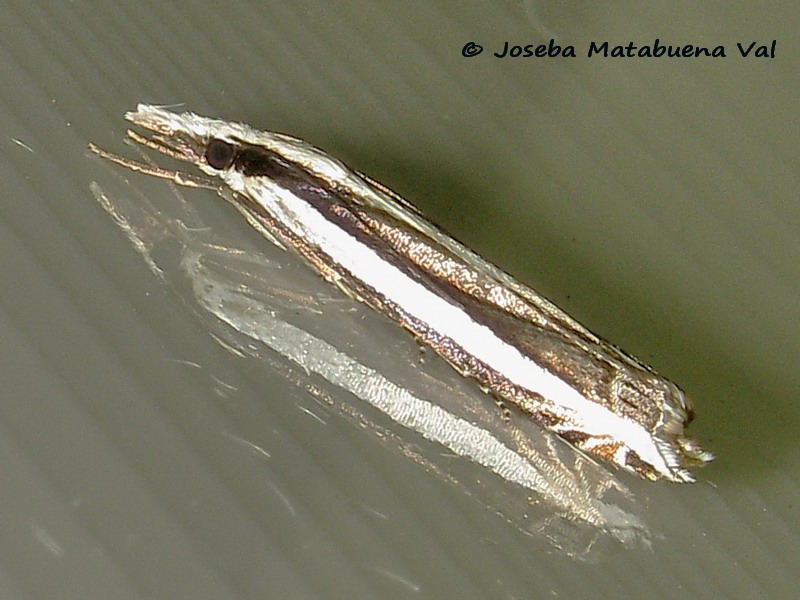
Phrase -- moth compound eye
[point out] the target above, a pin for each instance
(219, 154)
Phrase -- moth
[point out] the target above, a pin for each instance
(379, 249)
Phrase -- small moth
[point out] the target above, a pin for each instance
(379, 249)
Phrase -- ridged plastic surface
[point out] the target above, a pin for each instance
(654, 199)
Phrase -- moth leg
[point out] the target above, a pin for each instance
(423, 351)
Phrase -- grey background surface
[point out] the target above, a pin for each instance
(654, 199)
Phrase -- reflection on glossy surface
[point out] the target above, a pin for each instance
(258, 305)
